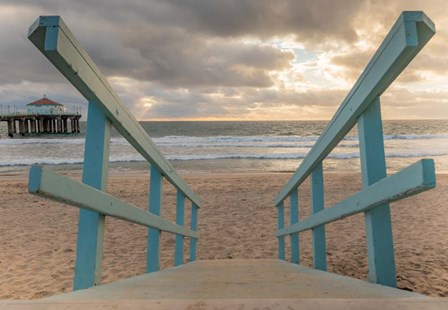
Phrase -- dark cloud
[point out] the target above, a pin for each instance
(19, 60)
(178, 59)
(434, 64)
(177, 43)
(204, 58)
(352, 63)
(307, 19)
(231, 18)
(23, 93)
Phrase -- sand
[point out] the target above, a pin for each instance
(237, 220)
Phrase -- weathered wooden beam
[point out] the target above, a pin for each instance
(21, 127)
(407, 37)
(54, 39)
(33, 125)
(47, 184)
(26, 126)
(10, 127)
(412, 180)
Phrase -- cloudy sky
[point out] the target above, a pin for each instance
(226, 59)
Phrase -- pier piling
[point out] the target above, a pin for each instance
(10, 128)
(39, 124)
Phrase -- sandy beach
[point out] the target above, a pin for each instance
(237, 220)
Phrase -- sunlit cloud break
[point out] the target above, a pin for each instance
(226, 60)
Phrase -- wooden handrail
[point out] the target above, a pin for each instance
(55, 40)
(408, 36)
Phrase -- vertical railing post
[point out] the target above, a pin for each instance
(89, 247)
(155, 205)
(281, 225)
(180, 219)
(194, 227)
(380, 248)
(294, 218)
(317, 204)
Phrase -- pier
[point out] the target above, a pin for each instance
(227, 283)
(43, 116)
(24, 124)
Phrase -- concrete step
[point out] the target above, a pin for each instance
(234, 304)
(232, 284)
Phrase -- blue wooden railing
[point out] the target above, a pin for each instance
(362, 106)
(53, 38)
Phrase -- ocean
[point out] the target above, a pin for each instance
(269, 146)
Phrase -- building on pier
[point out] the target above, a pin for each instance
(45, 106)
(43, 116)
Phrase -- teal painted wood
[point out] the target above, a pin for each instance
(54, 39)
(194, 227)
(406, 38)
(317, 204)
(294, 218)
(45, 183)
(89, 246)
(412, 180)
(155, 205)
(180, 220)
(281, 225)
(380, 247)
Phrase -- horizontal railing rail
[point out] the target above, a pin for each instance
(59, 188)
(54, 39)
(414, 179)
(407, 37)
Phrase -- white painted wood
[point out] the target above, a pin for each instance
(53, 38)
(410, 181)
(45, 183)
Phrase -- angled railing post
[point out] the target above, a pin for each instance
(380, 248)
(194, 227)
(89, 248)
(48, 184)
(155, 205)
(317, 204)
(55, 40)
(294, 218)
(180, 219)
(408, 36)
(281, 225)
